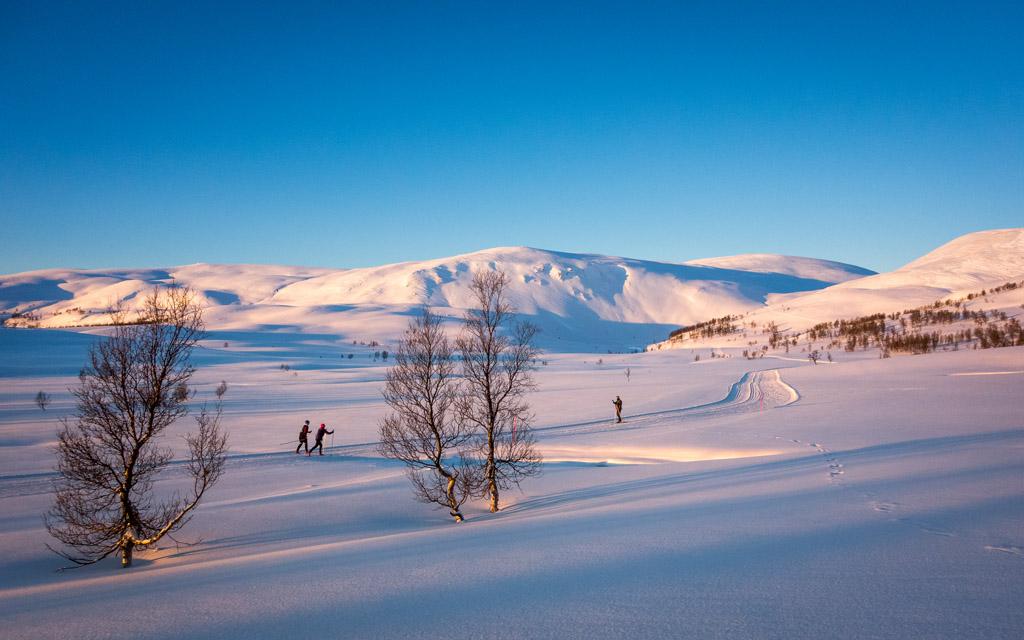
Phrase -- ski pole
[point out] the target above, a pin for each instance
(332, 442)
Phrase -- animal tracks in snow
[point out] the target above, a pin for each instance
(836, 469)
(1010, 549)
(893, 508)
(935, 531)
(884, 507)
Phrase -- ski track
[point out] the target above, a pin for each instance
(754, 391)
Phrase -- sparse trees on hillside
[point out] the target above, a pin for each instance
(109, 455)
(715, 327)
(423, 430)
(496, 371)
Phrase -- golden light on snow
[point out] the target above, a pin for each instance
(646, 455)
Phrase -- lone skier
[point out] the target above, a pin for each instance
(304, 438)
(618, 409)
(319, 440)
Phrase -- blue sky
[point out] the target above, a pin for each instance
(323, 134)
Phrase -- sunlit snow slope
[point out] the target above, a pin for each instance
(967, 264)
(581, 301)
(813, 268)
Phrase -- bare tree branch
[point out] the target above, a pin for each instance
(108, 458)
(497, 375)
(422, 430)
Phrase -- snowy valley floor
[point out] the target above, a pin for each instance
(770, 499)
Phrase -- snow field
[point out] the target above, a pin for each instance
(767, 498)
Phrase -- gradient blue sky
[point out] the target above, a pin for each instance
(321, 134)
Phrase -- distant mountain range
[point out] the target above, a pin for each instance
(581, 301)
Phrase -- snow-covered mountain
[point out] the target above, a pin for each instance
(581, 301)
(562, 284)
(966, 264)
(811, 268)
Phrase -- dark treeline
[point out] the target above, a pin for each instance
(713, 327)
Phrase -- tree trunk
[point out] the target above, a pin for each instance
(453, 505)
(492, 484)
(492, 488)
(126, 554)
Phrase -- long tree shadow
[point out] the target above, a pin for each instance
(756, 472)
(658, 578)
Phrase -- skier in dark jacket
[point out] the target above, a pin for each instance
(618, 409)
(303, 438)
(319, 440)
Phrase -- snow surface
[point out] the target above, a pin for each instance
(769, 498)
(765, 498)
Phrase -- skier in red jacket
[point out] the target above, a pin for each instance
(319, 440)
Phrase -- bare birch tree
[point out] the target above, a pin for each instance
(423, 431)
(109, 455)
(497, 365)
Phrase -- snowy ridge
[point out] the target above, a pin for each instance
(581, 301)
(813, 268)
(967, 264)
(548, 282)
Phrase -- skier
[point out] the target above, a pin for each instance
(304, 438)
(319, 440)
(618, 409)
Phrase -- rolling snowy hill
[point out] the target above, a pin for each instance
(813, 268)
(581, 301)
(968, 263)
(965, 265)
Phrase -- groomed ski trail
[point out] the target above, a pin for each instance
(754, 391)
